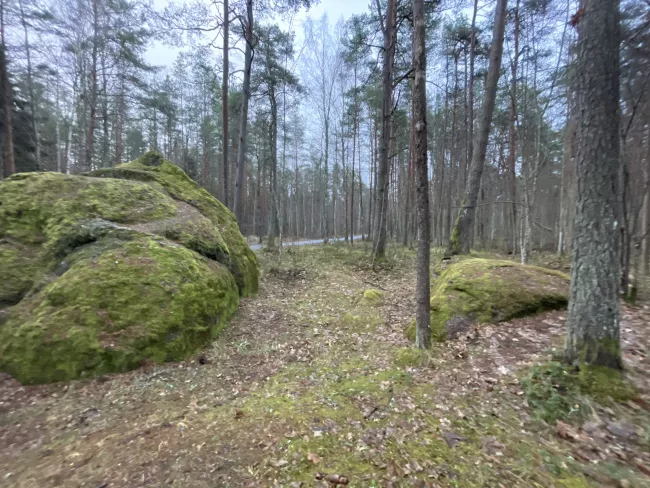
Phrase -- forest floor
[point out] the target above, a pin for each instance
(313, 384)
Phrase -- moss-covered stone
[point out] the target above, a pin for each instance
(146, 300)
(373, 297)
(487, 290)
(153, 169)
(100, 274)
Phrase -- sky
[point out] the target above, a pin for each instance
(160, 54)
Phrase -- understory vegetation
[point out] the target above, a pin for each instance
(315, 383)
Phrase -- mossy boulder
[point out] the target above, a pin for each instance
(372, 296)
(488, 291)
(99, 275)
(196, 234)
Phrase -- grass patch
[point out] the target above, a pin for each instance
(556, 391)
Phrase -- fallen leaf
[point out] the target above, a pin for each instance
(565, 431)
(314, 458)
(642, 467)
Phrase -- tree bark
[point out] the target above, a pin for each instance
(593, 333)
(30, 85)
(238, 207)
(7, 101)
(419, 123)
(224, 103)
(381, 204)
(512, 145)
(90, 133)
(472, 57)
(461, 235)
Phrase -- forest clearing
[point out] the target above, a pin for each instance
(309, 378)
(293, 243)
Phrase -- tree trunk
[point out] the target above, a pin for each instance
(381, 203)
(472, 57)
(274, 224)
(90, 133)
(461, 236)
(30, 86)
(243, 119)
(512, 145)
(419, 123)
(224, 102)
(354, 147)
(7, 101)
(593, 335)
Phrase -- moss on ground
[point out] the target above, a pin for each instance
(373, 426)
(487, 290)
(147, 300)
(373, 297)
(556, 391)
(153, 168)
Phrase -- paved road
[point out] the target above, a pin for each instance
(256, 247)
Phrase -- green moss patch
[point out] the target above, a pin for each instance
(153, 169)
(147, 300)
(102, 273)
(556, 391)
(373, 297)
(487, 290)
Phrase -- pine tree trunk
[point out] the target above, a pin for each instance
(7, 101)
(30, 86)
(593, 335)
(512, 145)
(274, 224)
(90, 133)
(472, 57)
(419, 123)
(224, 103)
(381, 203)
(461, 235)
(238, 206)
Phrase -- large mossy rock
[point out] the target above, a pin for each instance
(487, 291)
(100, 274)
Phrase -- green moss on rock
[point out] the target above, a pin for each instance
(153, 168)
(147, 300)
(488, 290)
(16, 273)
(100, 274)
(373, 297)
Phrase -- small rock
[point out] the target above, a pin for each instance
(591, 427)
(453, 439)
(623, 430)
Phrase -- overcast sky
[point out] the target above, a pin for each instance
(162, 55)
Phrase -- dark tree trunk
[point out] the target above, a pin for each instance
(381, 203)
(593, 334)
(224, 103)
(472, 57)
(512, 153)
(90, 134)
(7, 104)
(274, 223)
(461, 235)
(419, 123)
(238, 207)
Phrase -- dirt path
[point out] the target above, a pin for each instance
(314, 380)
